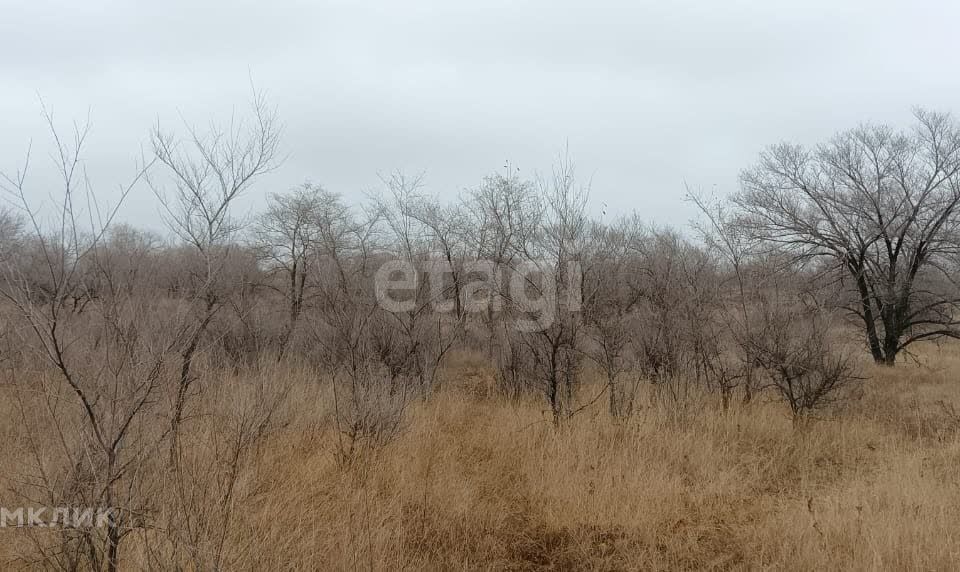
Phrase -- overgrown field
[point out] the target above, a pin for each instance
(470, 480)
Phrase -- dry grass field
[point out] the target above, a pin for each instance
(474, 482)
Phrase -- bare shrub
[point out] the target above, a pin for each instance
(777, 319)
(369, 413)
(360, 350)
(802, 362)
(214, 477)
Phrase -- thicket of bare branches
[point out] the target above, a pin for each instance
(138, 340)
(111, 351)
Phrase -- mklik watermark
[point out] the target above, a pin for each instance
(56, 517)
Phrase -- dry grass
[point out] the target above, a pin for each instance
(477, 483)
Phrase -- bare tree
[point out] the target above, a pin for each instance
(102, 374)
(609, 305)
(883, 206)
(356, 342)
(448, 230)
(502, 211)
(729, 240)
(207, 172)
(285, 233)
(545, 292)
(421, 322)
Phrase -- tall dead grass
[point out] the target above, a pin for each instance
(476, 482)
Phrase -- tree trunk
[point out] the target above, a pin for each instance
(873, 340)
(186, 364)
(891, 345)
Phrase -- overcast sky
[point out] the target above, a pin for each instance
(648, 95)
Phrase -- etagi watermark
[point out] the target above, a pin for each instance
(57, 517)
(537, 292)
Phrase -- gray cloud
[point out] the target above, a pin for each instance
(647, 94)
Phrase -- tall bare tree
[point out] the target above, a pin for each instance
(206, 173)
(882, 205)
